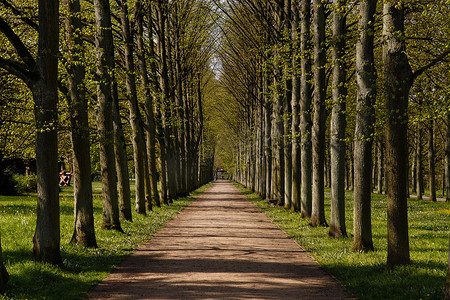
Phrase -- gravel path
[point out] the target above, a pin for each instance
(220, 247)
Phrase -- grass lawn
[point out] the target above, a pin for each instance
(82, 268)
(365, 274)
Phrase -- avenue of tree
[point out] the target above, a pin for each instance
(349, 94)
(97, 75)
(341, 94)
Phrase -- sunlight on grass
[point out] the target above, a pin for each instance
(82, 268)
(365, 274)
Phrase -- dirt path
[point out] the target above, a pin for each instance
(220, 247)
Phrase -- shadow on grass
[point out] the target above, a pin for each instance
(82, 267)
(41, 282)
(366, 275)
(36, 280)
(375, 282)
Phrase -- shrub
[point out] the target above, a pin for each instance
(25, 184)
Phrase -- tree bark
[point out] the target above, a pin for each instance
(338, 123)
(105, 65)
(397, 77)
(277, 134)
(262, 162)
(295, 106)
(431, 161)
(447, 160)
(46, 240)
(419, 163)
(161, 12)
(305, 111)
(318, 129)
(268, 139)
(366, 93)
(380, 180)
(121, 159)
(149, 106)
(135, 114)
(83, 233)
(180, 111)
(287, 110)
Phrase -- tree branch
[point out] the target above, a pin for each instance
(17, 69)
(19, 13)
(17, 43)
(420, 71)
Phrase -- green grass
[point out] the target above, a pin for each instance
(365, 274)
(82, 268)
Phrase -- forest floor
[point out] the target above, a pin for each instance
(220, 247)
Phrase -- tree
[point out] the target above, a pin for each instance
(398, 79)
(338, 123)
(447, 159)
(83, 233)
(366, 93)
(148, 96)
(46, 240)
(41, 76)
(305, 111)
(105, 66)
(139, 149)
(286, 56)
(397, 76)
(318, 129)
(163, 110)
(432, 160)
(121, 159)
(295, 104)
(419, 165)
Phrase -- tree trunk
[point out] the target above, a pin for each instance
(149, 106)
(137, 130)
(105, 65)
(419, 164)
(180, 113)
(318, 130)
(148, 186)
(380, 167)
(268, 140)
(414, 168)
(447, 160)
(366, 94)
(83, 233)
(46, 240)
(397, 77)
(277, 139)
(165, 151)
(305, 112)
(262, 176)
(188, 140)
(295, 106)
(351, 166)
(287, 111)
(431, 161)
(121, 158)
(338, 123)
